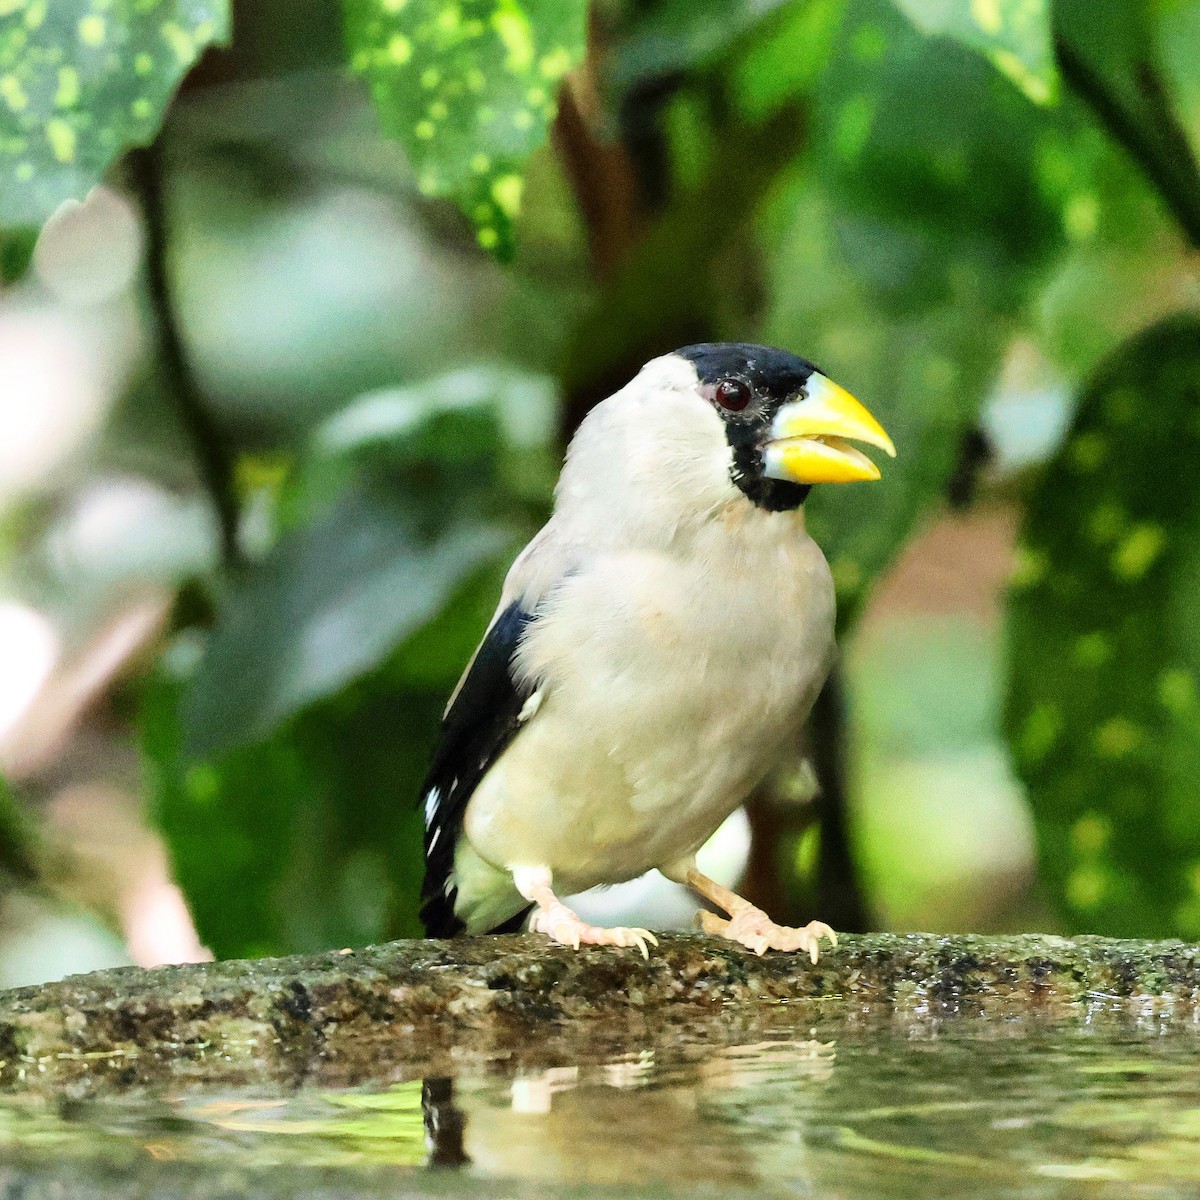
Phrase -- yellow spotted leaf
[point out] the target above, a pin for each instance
(83, 80)
(469, 87)
(1103, 710)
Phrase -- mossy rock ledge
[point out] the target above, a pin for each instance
(432, 1007)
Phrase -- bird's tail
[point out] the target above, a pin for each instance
(513, 924)
(438, 915)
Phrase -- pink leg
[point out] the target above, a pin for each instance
(751, 926)
(554, 918)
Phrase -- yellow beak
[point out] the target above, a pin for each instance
(807, 435)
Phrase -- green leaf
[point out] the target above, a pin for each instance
(1014, 35)
(1115, 41)
(411, 419)
(923, 144)
(470, 89)
(81, 82)
(1103, 709)
(309, 836)
(328, 604)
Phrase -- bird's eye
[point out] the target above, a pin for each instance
(732, 394)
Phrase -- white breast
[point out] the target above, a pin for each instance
(671, 679)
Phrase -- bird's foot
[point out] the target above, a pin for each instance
(560, 923)
(756, 931)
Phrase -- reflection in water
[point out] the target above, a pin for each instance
(991, 1111)
(646, 1119)
(443, 1124)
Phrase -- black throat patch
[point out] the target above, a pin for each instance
(774, 377)
(774, 495)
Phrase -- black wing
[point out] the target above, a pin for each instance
(479, 724)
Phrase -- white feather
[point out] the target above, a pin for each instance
(433, 798)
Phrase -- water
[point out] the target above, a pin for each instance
(960, 1106)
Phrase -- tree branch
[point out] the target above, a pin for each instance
(214, 462)
(974, 457)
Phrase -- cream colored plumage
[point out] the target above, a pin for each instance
(675, 634)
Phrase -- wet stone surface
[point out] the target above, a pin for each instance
(897, 1066)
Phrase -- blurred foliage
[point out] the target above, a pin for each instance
(320, 609)
(928, 703)
(383, 520)
(308, 839)
(1112, 55)
(16, 253)
(286, 748)
(916, 304)
(900, 190)
(81, 81)
(18, 841)
(678, 35)
(1104, 654)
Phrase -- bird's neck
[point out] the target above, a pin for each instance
(731, 531)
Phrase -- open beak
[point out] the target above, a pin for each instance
(808, 437)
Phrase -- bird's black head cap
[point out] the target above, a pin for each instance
(764, 378)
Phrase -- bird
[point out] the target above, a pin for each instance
(655, 649)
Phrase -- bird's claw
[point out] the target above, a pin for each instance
(756, 931)
(564, 927)
(626, 936)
